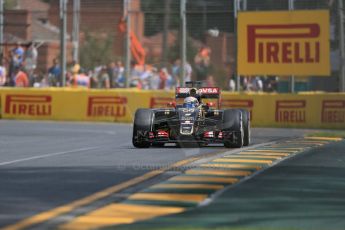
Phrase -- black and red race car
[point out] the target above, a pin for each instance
(201, 123)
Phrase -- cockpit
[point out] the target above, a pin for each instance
(190, 102)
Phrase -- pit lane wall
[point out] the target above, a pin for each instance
(303, 110)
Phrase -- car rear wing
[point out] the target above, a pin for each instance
(204, 92)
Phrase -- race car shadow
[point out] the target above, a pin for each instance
(188, 146)
(176, 146)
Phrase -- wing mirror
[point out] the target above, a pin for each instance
(172, 104)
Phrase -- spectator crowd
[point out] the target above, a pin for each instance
(21, 71)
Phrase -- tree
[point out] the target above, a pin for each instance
(95, 51)
(155, 14)
(174, 52)
(10, 4)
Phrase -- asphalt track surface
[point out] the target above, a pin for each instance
(44, 165)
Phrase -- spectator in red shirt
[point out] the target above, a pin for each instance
(21, 78)
(163, 77)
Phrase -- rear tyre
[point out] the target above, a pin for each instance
(232, 121)
(246, 127)
(143, 121)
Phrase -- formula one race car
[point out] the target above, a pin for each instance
(192, 121)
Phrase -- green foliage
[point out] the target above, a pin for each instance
(10, 4)
(154, 11)
(148, 5)
(95, 51)
(174, 52)
(335, 134)
(220, 77)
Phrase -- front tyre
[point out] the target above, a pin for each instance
(246, 127)
(143, 121)
(233, 122)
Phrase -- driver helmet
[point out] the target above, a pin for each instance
(190, 102)
(193, 92)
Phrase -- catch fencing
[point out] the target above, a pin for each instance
(212, 24)
(160, 34)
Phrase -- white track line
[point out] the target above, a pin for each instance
(47, 155)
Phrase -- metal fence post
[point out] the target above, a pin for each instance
(165, 33)
(238, 77)
(342, 45)
(292, 78)
(63, 18)
(244, 5)
(1, 30)
(183, 41)
(76, 20)
(127, 42)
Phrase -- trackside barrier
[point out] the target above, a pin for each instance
(303, 110)
(72, 104)
(0, 107)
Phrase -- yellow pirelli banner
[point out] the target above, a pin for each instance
(304, 110)
(0, 105)
(75, 105)
(307, 110)
(284, 43)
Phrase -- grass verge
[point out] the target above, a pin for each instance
(340, 134)
(225, 228)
